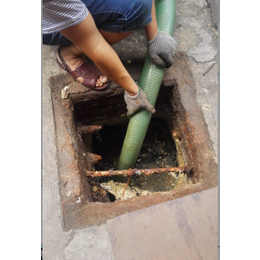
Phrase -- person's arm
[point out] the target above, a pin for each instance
(88, 38)
(151, 29)
(161, 46)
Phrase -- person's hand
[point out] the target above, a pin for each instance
(162, 49)
(136, 102)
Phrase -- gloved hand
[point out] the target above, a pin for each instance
(162, 49)
(134, 103)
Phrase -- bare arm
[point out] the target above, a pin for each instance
(151, 29)
(161, 46)
(88, 38)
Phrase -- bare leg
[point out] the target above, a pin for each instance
(74, 56)
(113, 38)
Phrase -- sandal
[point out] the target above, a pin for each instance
(87, 70)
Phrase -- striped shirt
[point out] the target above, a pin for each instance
(60, 14)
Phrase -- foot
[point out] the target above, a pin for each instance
(74, 58)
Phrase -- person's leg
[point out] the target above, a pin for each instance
(74, 57)
(58, 39)
(115, 20)
(112, 37)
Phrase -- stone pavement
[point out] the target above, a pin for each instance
(185, 228)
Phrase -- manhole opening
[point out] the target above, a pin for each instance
(176, 105)
(158, 149)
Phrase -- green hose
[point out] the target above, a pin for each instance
(150, 83)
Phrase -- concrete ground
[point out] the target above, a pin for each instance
(186, 228)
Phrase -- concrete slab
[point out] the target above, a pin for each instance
(58, 244)
(92, 243)
(53, 237)
(214, 7)
(197, 36)
(185, 228)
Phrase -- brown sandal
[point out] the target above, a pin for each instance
(87, 70)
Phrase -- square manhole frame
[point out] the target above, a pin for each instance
(190, 135)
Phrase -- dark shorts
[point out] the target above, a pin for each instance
(111, 16)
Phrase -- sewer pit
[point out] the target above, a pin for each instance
(176, 159)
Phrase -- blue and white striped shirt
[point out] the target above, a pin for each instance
(60, 14)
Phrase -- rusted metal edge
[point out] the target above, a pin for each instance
(131, 172)
(88, 129)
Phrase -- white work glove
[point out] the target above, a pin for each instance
(136, 102)
(162, 49)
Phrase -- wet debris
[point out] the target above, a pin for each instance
(98, 193)
(156, 168)
(121, 192)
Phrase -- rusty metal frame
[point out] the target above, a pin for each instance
(79, 210)
(88, 129)
(132, 172)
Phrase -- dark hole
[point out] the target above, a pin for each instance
(158, 149)
(111, 197)
(108, 143)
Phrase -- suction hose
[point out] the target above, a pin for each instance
(150, 83)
